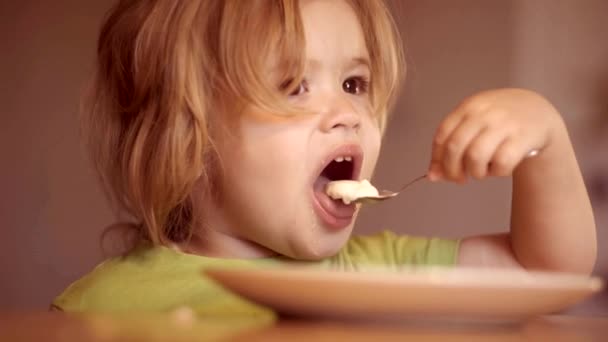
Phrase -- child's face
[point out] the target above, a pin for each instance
(271, 192)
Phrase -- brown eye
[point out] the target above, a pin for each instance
(299, 90)
(355, 85)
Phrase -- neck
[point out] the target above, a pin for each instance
(214, 236)
(217, 244)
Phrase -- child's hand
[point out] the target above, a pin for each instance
(490, 133)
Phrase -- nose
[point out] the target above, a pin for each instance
(339, 113)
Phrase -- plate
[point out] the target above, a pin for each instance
(491, 294)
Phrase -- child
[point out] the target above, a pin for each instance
(217, 124)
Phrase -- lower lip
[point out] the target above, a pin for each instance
(327, 212)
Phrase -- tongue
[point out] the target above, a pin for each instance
(336, 208)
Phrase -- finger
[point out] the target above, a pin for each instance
(480, 152)
(507, 156)
(456, 145)
(435, 172)
(445, 129)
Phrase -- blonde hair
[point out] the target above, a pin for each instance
(163, 65)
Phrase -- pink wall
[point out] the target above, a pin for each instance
(453, 49)
(51, 210)
(561, 51)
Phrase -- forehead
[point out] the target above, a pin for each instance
(333, 32)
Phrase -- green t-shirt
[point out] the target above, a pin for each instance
(159, 279)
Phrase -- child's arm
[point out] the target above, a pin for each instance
(552, 225)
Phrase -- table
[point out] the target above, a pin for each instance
(50, 326)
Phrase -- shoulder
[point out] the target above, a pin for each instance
(124, 282)
(156, 279)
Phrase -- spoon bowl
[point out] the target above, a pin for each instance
(383, 195)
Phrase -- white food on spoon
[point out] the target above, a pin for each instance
(350, 190)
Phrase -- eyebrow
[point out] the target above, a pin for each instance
(315, 64)
(354, 62)
(359, 61)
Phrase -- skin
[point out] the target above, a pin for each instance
(552, 224)
(269, 211)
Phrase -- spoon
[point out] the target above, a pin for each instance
(383, 195)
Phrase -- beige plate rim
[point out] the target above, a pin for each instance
(423, 276)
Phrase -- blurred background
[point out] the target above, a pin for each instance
(52, 211)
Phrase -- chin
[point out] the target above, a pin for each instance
(320, 247)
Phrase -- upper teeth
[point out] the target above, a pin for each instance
(341, 159)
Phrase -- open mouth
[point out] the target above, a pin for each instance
(341, 168)
(343, 164)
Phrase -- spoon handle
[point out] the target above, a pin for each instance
(412, 182)
(530, 154)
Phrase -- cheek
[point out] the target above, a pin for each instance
(372, 142)
(273, 158)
